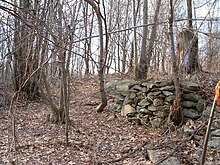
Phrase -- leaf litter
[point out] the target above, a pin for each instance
(93, 138)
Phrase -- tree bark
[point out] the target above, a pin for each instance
(103, 103)
(25, 61)
(144, 62)
(175, 115)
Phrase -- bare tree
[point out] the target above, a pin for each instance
(175, 112)
(103, 103)
(188, 45)
(144, 62)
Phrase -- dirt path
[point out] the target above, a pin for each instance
(93, 139)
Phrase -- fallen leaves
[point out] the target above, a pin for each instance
(93, 138)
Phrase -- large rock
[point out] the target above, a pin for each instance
(216, 132)
(166, 83)
(144, 103)
(137, 87)
(148, 85)
(206, 113)
(123, 86)
(167, 88)
(188, 104)
(167, 93)
(191, 113)
(191, 97)
(189, 86)
(111, 85)
(200, 106)
(127, 109)
(153, 95)
(215, 143)
(154, 156)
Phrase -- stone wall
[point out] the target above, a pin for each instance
(148, 103)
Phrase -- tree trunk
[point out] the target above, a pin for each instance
(144, 62)
(188, 46)
(175, 115)
(25, 62)
(103, 103)
(187, 52)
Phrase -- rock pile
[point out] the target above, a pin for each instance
(149, 103)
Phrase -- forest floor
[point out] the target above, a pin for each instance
(94, 138)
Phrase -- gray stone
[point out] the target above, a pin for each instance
(154, 156)
(145, 111)
(127, 109)
(216, 132)
(171, 161)
(167, 88)
(187, 132)
(131, 115)
(198, 137)
(188, 104)
(189, 86)
(156, 122)
(200, 106)
(157, 102)
(161, 96)
(114, 107)
(166, 83)
(153, 95)
(167, 93)
(215, 143)
(137, 87)
(132, 95)
(170, 98)
(148, 85)
(191, 97)
(166, 108)
(206, 113)
(152, 108)
(144, 103)
(191, 113)
(123, 86)
(111, 117)
(110, 86)
(155, 90)
(119, 98)
(144, 90)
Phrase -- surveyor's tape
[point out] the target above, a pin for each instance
(217, 93)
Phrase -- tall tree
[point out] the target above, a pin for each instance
(175, 115)
(144, 62)
(188, 45)
(103, 103)
(145, 33)
(25, 61)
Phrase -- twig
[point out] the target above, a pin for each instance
(207, 133)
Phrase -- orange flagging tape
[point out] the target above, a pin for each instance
(217, 93)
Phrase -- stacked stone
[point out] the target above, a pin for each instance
(149, 103)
